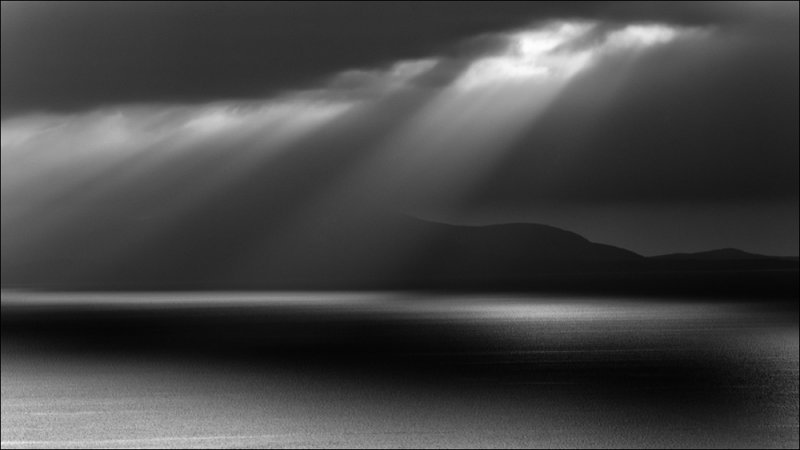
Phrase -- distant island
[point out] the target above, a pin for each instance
(422, 255)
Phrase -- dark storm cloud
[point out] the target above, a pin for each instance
(68, 56)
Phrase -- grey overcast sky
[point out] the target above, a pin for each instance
(655, 126)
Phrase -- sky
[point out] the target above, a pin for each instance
(136, 131)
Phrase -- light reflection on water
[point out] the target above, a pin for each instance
(375, 369)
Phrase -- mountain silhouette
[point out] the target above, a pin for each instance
(721, 254)
(391, 252)
(510, 253)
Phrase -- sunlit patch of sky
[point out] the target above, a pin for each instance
(562, 49)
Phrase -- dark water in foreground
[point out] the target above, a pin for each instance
(356, 370)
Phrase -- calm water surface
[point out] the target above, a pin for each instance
(381, 369)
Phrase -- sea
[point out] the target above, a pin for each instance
(396, 369)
